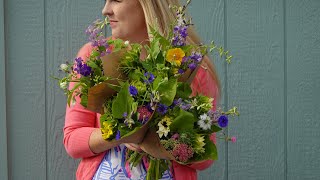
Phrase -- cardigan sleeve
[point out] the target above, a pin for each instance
(203, 83)
(79, 122)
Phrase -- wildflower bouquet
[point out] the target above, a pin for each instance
(150, 96)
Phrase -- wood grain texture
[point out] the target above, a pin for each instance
(303, 87)
(66, 21)
(208, 17)
(255, 85)
(3, 118)
(25, 89)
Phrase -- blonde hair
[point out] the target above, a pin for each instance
(158, 14)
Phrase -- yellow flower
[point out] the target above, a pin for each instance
(199, 147)
(106, 130)
(175, 70)
(175, 55)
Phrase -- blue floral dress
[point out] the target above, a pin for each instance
(113, 166)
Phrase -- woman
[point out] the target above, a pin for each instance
(129, 20)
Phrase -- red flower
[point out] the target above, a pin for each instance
(144, 113)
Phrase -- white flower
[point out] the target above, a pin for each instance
(63, 85)
(194, 103)
(180, 20)
(126, 43)
(205, 122)
(64, 67)
(163, 131)
(129, 121)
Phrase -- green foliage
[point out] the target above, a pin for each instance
(167, 91)
(122, 103)
(183, 122)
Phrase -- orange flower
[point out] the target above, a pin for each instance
(175, 55)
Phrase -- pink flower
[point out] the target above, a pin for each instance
(144, 113)
(175, 136)
(233, 139)
(182, 152)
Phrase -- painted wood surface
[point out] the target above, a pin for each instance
(3, 119)
(274, 79)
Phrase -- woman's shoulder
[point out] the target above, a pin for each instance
(85, 51)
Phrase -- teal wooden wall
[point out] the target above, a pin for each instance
(274, 80)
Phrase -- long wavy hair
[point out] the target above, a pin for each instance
(158, 14)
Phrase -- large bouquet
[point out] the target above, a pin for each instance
(149, 101)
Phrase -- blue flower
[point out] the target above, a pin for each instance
(118, 135)
(223, 121)
(162, 109)
(192, 66)
(150, 77)
(133, 90)
(125, 114)
(180, 71)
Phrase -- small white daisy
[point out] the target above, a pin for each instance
(205, 122)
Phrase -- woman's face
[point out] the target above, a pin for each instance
(127, 20)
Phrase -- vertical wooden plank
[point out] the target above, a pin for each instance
(25, 89)
(303, 87)
(255, 84)
(208, 17)
(66, 21)
(3, 118)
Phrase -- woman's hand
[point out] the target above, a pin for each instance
(133, 147)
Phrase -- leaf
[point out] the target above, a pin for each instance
(184, 90)
(167, 91)
(184, 122)
(160, 59)
(156, 82)
(122, 103)
(147, 65)
(84, 100)
(155, 48)
(210, 150)
(92, 64)
(215, 128)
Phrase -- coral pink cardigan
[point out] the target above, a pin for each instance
(79, 124)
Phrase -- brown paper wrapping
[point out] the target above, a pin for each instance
(151, 145)
(136, 137)
(99, 93)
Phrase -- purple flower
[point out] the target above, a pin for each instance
(180, 71)
(125, 115)
(82, 68)
(176, 102)
(162, 109)
(118, 135)
(150, 107)
(197, 57)
(223, 121)
(192, 66)
(185, 59)
(185, 106)
(180, 34)
(133, 91)
(150, 77)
